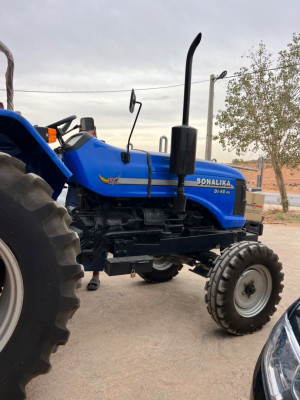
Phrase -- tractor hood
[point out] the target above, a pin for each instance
(161, 162)
(99, 167)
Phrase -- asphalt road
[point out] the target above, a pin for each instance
(137, 341)
(272, 198)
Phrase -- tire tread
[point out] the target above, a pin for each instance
(34, 194)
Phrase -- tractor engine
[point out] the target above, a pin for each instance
(101, 223)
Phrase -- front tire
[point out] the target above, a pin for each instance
(244, 287)
(38, 275)
(163, 270)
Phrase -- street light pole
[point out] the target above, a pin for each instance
(210, 118)
(213, 79)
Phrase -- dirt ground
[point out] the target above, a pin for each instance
(135, 341)
(291, 178)
(271, 216)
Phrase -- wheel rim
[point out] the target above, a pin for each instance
(252, 291)
(11, 298)
(161, 263)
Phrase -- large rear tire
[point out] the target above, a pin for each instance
(244, 287)
(163, 270)
(38, 275)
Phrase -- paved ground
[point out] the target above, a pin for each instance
(272, 198)
(132, 340)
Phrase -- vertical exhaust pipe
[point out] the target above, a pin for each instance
(188, 79)
(184, 137)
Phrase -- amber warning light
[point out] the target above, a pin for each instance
(48, 134)
(51, 135)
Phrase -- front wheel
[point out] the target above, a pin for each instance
(163, 270)
(244, 287)
(38, 274)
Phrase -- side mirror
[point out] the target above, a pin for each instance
(132, 101)
(125, 156)
(87, 124)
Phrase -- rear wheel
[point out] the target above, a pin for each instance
(163, 270)
(38, 275)
(244, 287)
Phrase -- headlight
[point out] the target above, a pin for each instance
(281, 362)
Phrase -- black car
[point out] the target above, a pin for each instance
(277, 371)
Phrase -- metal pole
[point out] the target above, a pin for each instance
(210, 118)
(9, 75)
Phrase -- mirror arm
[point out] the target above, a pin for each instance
(72, 129)
(126, 156)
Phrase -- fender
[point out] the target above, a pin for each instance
(20, 139)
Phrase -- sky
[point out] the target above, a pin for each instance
(117, 45)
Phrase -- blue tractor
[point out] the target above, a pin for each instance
(153, 212)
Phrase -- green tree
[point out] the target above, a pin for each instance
(262, 110)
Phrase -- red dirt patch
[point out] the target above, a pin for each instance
(291, 178)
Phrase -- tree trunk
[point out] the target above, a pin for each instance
(281, 185)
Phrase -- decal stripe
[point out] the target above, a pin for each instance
(102, 179)
(161, 182)
(154, 182)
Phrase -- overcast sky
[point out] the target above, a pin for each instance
(110, 45)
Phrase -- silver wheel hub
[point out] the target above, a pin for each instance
(252, 291)
(11, 297)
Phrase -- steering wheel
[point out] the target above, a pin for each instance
(66, 121)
